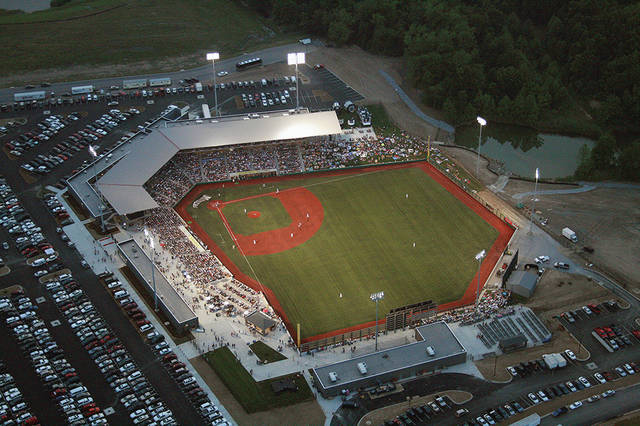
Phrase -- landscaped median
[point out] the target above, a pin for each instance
(255, 396)
(266, 353)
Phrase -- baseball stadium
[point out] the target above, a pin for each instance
(315, 237)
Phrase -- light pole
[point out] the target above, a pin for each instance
(482, 122)
(295, 59)
(376, 297)
(479, 258)
(533, 207)
(93, 153)
(153, 268)
(213, 56)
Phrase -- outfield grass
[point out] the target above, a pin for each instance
(265, 352)
(365, 244)
(254, 396)
(141, 30)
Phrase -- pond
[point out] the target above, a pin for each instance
(523, 149)
(25, 5)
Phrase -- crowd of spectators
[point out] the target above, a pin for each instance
(360, 147)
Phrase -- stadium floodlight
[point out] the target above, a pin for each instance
(482, 122)
(533, 207)
(153, 267)
(376, 297)
(295, 59)
(479, 258)
(213, 56)
(94, 154)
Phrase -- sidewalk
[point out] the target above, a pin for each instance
(102, 256)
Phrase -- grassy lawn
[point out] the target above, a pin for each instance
(141, 30)
(265, 352)
(365, 244)
(254, 396)
(273, 215)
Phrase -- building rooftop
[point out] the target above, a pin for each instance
(122, 184)
(525, 279)
(438, 335)
(166, 293)
(260, 320)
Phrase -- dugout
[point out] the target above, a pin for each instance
(260, 322)
(393, 364)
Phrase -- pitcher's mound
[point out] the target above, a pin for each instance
(253, 214)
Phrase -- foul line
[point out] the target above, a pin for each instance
(233, 238)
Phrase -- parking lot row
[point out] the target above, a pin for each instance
(176, 369)
(49, 362)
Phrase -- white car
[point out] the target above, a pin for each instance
(512, 371)
(222, 73)
(575, 405)
(543, 396)
(570, 354)
(541, 259)
(587, 310)
(608, 393)
(533, 398)
(571, 387)
(600, 378)
(584, 381)
(621, 372)
(629, 369)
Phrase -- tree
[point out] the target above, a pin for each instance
(339, 30)
(603, 154)
(630, 162)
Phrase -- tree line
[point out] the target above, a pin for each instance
(542, 63)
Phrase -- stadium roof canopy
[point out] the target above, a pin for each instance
(122, 185)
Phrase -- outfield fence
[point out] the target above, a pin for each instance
(367, 330)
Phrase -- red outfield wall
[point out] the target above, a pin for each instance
(492, 257)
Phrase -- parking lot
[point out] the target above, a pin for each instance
(89, 362)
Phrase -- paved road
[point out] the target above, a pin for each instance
(624, 401)
(584, 188)
(417, 111)
(205, 72)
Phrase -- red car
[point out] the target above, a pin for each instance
(130, 306)
(88, 406)
(58, 392)
(92, 410)
(139, 316)
(140, 323)
(133, 312)
(115, 348)
(169, 357)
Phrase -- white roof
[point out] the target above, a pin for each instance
(122, 185)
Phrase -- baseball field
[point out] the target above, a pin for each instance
(321, 244)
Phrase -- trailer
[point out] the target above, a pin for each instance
(79, 90)
(134, 84)
(550, 360)
(569, 235)
(206, 113)
(29, 96)
(562, 362)
(159, 82)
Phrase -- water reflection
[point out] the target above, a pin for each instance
(523, 149)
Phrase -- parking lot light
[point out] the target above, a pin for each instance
(153, 269)
(482, 122)
(213, 56)
(376, 297)
(295, 59)
(533, 208)
(479, 258)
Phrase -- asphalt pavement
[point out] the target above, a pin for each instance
(205, 72)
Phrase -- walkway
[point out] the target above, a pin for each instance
(407, 100)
